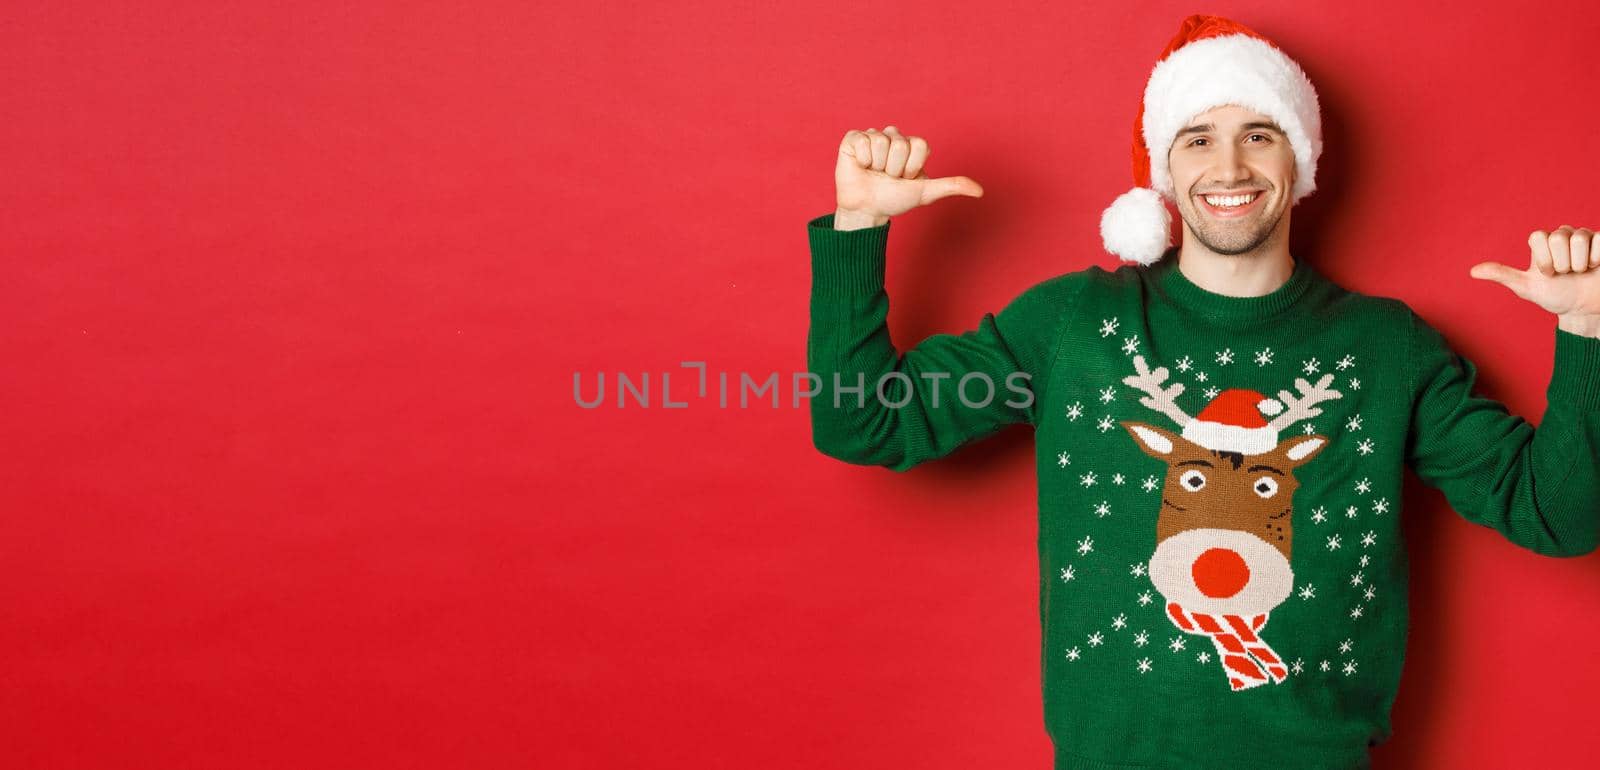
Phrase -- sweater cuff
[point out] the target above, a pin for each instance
(847, 261)
(1575, 378)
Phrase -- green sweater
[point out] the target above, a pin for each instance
(1222, 576)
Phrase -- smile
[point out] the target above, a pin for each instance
(1227, 206)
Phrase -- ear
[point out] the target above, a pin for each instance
(1156, 442)
(1300, 449)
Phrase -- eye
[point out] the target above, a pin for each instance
(1192, 480)
(1266, 486)
(1263, 137)
(1195, 142)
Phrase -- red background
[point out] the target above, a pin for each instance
(294, 296)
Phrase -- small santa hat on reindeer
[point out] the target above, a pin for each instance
(1211, 62)
(1234, 422)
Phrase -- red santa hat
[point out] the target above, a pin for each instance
(1212, 62)
(1233, 422)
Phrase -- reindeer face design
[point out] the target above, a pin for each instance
(1230, 500)
(1224, 532)
(1220, 488)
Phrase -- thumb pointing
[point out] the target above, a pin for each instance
(1504, 275)
(946, 186)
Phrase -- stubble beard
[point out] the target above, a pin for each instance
(1231, 239)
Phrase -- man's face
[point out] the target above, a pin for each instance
(1232, 170)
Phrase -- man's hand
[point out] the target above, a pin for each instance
(880, 174)
(1563, 277)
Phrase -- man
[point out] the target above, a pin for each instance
(1221, 431)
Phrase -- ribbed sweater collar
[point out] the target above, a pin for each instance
(1190, 296)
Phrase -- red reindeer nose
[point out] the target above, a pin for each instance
(1220, 573)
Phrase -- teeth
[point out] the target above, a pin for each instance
(1229, 201)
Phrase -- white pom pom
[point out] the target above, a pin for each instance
(1270, 406)
(1136, 226)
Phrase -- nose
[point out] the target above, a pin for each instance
(1220, 572)
(1230, 166)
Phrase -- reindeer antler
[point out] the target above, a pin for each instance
(1303, 407)
(1161, 399)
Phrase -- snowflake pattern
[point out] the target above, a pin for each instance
(1075, 411)
(1108, 327)
(1067, 573)
(1225, 356)
(1263, 356)
(1103, 509)
(1308, 591)
(1086, 545)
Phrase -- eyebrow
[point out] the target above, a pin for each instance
(1252, 125)
(1254, 468)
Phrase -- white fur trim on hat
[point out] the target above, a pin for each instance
(1136, 226)
(1232, 438)
(1232, 69)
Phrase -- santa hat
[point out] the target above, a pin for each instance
(1211, 63)
(1233, 422)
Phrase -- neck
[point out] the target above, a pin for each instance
(1251, 274)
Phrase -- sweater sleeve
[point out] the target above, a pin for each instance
(878, 406)
(1536, 486)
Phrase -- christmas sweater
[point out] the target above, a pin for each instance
(1222, 575)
